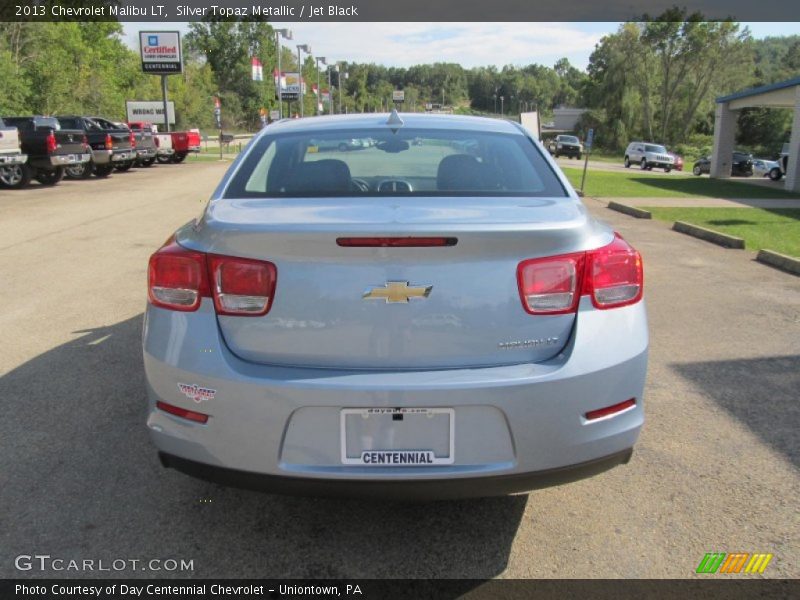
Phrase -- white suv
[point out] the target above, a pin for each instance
(648, 155)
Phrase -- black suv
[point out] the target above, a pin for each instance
(741, 165)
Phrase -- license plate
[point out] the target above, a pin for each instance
(397, 437)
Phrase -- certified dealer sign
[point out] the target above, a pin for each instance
(161, 52)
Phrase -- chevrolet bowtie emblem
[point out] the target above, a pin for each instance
(397, 291)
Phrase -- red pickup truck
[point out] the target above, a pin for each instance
(179, 145)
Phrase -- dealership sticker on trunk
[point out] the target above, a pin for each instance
(197, 393)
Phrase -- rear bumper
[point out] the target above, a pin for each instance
(65, 160)
(145, 153)
(8, 160)
(165, 152)
(512, 422)
(443, 489)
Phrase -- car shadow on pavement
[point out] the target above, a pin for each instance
(80, 479)
(761, 393)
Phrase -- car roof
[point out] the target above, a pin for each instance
(410, 120)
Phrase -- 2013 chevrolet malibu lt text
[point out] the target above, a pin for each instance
(430, 313)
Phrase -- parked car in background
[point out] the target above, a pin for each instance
(50, 149)
(337, 145)
(11, 156)
(164, 152)
(767, 168)
(677, 161)
(420, 324)
(194, 140)
(565, 145)
(741, 165)
(146, 149)
(110, 146)
(180, 146)
(648, 156)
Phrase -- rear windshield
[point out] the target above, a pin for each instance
(29, 123)
(410, 162)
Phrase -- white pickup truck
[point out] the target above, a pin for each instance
(10, 152)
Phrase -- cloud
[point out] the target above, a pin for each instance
(469, 44)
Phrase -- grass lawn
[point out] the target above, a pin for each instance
(608, 184)
(209, 157)
(775, 229)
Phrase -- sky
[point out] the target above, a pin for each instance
(470, 44)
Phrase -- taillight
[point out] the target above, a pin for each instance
(109, 143)
(177, 278)
(132, 139)
(612, 276)
(52, 145)
(551, 285)
(242, 286)
(85, 140)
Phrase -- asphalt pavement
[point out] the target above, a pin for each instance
(715, 470)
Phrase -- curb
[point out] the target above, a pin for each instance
(709, 235)
(631, 211)
(779, 261)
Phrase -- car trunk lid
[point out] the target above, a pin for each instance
(330, 307)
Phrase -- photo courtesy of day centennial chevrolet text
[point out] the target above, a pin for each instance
(396, 305)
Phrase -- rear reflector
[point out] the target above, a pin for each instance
(395, 242)
(182, 412)
(593, 415)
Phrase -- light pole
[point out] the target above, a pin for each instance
(287, 34)
(330, 90)
(342, 75)
(502, 101)
(307, 49)
(320, 59)
(495, 103)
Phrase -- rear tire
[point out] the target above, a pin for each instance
(16, 176)
(667, 169)
(578, 156)
(126, 166)
(102, 171)
(50, 177)
(179, 158)
(82, 171)
(148, 162)
(164, 159)
(697, 171)
(775, 174)
(627, 163)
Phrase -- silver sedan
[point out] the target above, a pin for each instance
(428, 320)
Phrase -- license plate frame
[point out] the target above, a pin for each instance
(390, 412)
